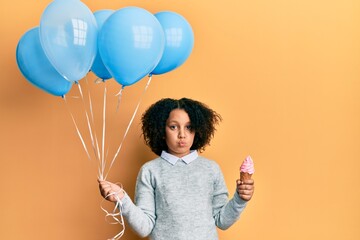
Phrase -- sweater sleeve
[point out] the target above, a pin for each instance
(225, 212)
(141, 216)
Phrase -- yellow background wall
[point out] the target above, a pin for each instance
(285, 76)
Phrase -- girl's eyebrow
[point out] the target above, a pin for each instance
(175, 121)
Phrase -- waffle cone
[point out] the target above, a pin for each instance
(245, 176)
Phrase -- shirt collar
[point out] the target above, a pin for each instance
(173, 159)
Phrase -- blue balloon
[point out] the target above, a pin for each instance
(35, 66)
(68, 34)
(131, 43)
(98, 67)
(179, 41)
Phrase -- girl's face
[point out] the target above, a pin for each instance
(179, 135)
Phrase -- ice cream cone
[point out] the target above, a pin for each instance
(246, 169)
(245, 176)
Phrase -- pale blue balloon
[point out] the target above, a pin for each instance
(35, 66)
(131, 43)
(179, 41)
(98, 67)
(68, 34)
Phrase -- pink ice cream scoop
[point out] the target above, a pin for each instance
(247, 169)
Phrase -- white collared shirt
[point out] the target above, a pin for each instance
(173, 159)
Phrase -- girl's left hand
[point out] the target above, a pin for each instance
(108, 190)
(245, 189)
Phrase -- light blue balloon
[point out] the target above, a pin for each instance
(68, 34)
(98, 67)
(35, 66)
(131, 43)
(179, 41)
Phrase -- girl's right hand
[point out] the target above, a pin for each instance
(109, 191)
(245, 189)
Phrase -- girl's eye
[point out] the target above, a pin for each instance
(172, 127)
(189, 128)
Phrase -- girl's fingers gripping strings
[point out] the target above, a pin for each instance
(110, 191)
(105, 188)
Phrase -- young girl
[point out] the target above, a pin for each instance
(180, 195)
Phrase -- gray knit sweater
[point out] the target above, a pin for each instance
(181, 201)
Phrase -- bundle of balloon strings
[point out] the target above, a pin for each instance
(116, 213)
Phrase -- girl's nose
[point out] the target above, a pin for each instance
(182, 133)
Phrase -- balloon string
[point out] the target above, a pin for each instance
(103, 164)
(77, 128)
(97, 151)
(87, 119)
(128, 127)
(119, 94)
